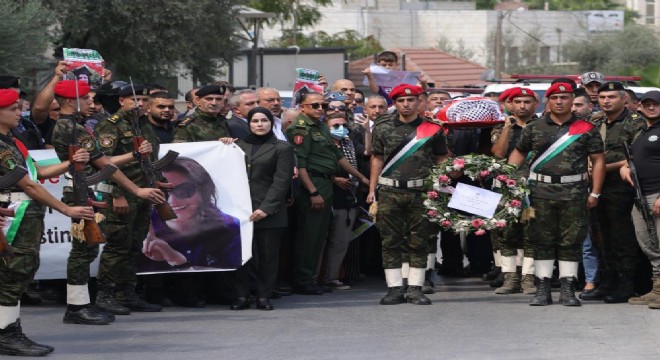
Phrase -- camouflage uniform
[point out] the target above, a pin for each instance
(82, 254)
(124, 233)
(18, 271)
(400, 211)
(560, 225)
(317, 153)
(201, 126)
(619, 250)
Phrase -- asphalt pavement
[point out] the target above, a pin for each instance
(466, 321)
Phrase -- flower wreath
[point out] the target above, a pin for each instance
(478, 168)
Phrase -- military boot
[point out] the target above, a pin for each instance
(428, 287)
(652, 296)
(14, 342)
(607, 285)
(394, 296)
(624, 291)
(498, 281)
(127, 297)
(511, 284)
(107, 299)
(527, 284)
(567, 292)
(492, 274)
(543, 295)
(415, 296)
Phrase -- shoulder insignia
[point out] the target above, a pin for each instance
(8, 160)
(128, 133)
(107, 140)
(114, 118)
(302, 132)
(634, 116)
(86, 142)
(301, 123)
(185, 122)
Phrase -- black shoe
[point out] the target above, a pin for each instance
(127, 297)
(240, 303)
(593, 294)
(567, 292)
(279, 292)
(264, 304)
(543, 295)
(498, 282)
(14, 342)
(102, 311)
(84, 315)
(624, 291)
(395, 295)
(492, 274)
(106, 298)
(415, 296)
(308, 289)
(27, 299)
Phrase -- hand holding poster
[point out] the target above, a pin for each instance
(391, 78)
(84, 64)
(306, 82)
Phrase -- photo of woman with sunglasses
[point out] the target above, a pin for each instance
(202, 237)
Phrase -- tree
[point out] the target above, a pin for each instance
(357, 46)
(458, 49)
(23, 36)
(292, 11)
(147, 40)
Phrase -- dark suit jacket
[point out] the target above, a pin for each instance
(238, 128)
(269, 172)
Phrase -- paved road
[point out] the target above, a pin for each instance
(466, 321)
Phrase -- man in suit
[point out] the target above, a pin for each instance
(240, 104)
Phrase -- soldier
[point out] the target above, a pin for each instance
(562, 146)
(127, 216)
(647, 161)
(24, 234)
(79, 310)
(318, 159)
(205, 124)
(619, 249)
(582, 107)
(161, 113)
(401, 180)
(591, 81)
(514, 239)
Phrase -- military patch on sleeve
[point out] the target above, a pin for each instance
(185, 122)
(86, 142)
(107, 140)
(298, 139)
(8, 160)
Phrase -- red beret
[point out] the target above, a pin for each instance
(67, 88)
(504, 96)
(521, 92)
(8, 97)
(559, 88)
(405, 90)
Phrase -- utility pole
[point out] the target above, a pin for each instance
(499, 51)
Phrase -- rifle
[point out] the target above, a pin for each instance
(149, 168)
(6, 181)
(640, 200)
(81, 182)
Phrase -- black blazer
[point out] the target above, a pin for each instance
(269, 171)
(238, 128)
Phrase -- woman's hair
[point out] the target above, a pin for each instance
(197, 175)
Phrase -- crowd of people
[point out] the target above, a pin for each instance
(313, 172)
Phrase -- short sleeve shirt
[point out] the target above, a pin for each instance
(10, 157)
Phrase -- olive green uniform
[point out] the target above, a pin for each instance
(318, 155)
(124, 233)
(200, 126)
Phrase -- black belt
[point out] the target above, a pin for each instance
(318, 174)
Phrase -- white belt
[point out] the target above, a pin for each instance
(555, 179)
(410, 184)
(14, 197)
(100, 187)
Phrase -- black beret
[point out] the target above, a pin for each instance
(611, 86)
(8, 81)
(127, 91)
(211, 89)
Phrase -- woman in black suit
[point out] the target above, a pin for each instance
(270, 169)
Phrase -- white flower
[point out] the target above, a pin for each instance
(496, 166)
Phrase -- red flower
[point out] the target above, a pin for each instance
(511, 183)
(443, 179)
(432, 195)
(477, 223)
(445, 223)
(480, 232)
(515, 203)
(484, 173)
(432, 213)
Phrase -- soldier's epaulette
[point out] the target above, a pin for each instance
(634, 116)
(114, 118)
(185, 122)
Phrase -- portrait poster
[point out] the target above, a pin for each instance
(307, 81)
(84, 64)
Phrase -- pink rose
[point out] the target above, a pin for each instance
(500, 224)
(484, 173)
(477, 223)
(432, 195)
(502, 178)
(458, 164)
(445, 223)
(511, 183)
(444, 179)
(432, 213)
(480, 232)
(515, 203)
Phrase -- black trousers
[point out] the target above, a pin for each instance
(264, 264)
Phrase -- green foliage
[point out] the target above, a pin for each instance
(458, 48)
(358, 47)
(292, 11)
(148, 40)
(23, 36)
(572, 5)
(624, 52)
(486, 4)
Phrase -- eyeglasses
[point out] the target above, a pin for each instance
(335, 108)
(337, 126)
(184, 191)
(314, 106)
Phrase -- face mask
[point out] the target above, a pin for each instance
(339, 133)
